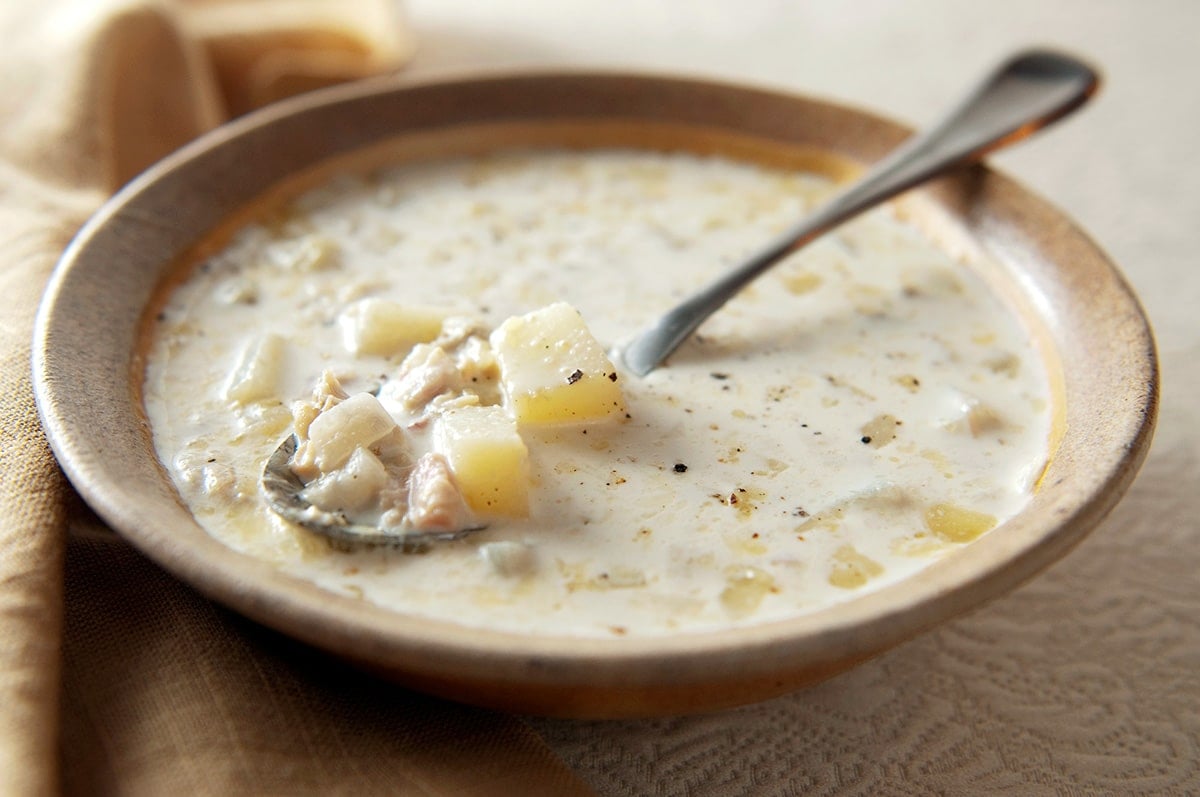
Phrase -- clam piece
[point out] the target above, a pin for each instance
(284, 490)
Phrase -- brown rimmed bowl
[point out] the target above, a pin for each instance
(88, 371)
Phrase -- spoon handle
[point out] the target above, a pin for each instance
(1022, 96)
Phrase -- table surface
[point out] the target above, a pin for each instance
(1087, 679)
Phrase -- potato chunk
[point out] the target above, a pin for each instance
(956, 524)
(378, 326)
(256, 375)
(351, 487)
(553, 371)
(488, 458)
(358, 422)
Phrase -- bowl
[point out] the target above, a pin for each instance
(88, 370)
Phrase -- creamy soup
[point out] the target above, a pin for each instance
(866, 407)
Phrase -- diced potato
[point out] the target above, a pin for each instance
(852, 569)
(956, 524)
(553, 371)
(256, 375)
(745, 589)
(801, 282)
(351, 487)
(378, 326)
(488, 457)
(357, 422)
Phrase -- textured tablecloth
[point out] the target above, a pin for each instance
(1086, 680)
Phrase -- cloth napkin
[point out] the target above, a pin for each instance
(115, 678)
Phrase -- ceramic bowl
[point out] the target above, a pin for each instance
(88, 372)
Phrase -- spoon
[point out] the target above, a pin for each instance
(283, 490)
(1025, 94)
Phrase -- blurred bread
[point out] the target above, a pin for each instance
(265, 50)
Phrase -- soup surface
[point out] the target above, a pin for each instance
(861, 410)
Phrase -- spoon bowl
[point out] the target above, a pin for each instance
(283, 490)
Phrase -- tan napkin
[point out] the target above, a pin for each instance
(114, 678)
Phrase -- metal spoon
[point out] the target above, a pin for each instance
(282, 488)
(1025, 94)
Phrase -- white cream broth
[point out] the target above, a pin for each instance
(861, 410)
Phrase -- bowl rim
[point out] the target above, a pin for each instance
(372, 635)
